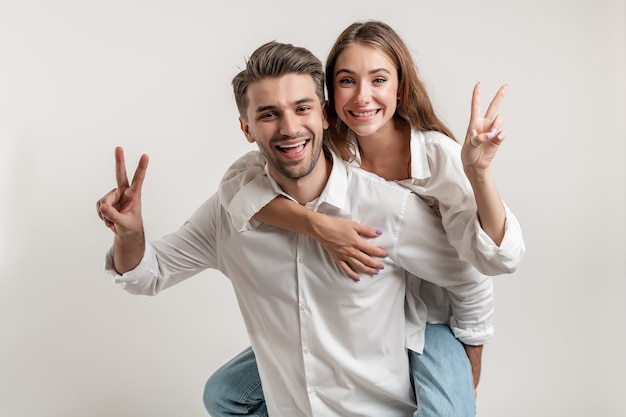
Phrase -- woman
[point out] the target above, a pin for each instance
(381, 118)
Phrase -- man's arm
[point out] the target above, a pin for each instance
(475, 355)
(128, 252)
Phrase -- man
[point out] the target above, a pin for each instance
(324, 345)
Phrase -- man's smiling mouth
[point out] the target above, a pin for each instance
(293, 148)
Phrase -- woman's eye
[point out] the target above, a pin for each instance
(346, 81)
(379, 80)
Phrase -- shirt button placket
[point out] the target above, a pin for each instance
(305, 324)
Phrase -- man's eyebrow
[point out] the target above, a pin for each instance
(296, 103)
(304, 100)
(261, 109)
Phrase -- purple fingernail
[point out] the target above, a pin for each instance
(492, 133)
(356, 279)
(379, 232)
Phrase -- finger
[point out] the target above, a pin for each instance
(499, 137)
(99, 209)
(369, 251)
(358, 266)
(497, 123)
(140, 174)
(495, 136)
(99, 204)
(366, 260)
(495, 127)
(108, 214)
(120, 169)
(349, 271)
(492, 110)
(475, 112)
(474, 139)
(109, 199)
(363, 245)
(366, 231)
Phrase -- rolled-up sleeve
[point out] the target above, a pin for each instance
(175, 257)
(472, 312)
(245, 189)
(490, 258)
(424, 250)
(139, 279)
(442, 183)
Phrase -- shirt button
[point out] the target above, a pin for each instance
(306, 350)
(311, 391)
(301, 260)
(303, 307)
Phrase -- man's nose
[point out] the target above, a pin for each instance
(289, 125)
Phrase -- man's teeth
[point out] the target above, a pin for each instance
(364, 114)
(295, 145)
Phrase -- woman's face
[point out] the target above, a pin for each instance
(366, 89)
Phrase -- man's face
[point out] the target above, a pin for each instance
(287, 121)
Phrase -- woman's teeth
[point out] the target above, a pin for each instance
(364, 114)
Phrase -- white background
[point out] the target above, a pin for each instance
(79, 77)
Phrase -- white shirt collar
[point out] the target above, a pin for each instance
(420, 168)
(335, 191)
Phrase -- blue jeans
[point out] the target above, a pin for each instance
(441, 376)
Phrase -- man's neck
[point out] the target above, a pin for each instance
(310, 187)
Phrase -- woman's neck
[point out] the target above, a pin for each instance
(387, 153)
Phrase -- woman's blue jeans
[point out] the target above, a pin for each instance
(442, 379)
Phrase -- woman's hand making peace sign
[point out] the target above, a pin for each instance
(484, 134)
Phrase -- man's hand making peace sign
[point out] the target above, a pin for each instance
(120, 209)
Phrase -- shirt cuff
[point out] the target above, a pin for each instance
(511, 250)
(147, 264)
(471, 334)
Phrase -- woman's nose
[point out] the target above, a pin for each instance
(363, 95)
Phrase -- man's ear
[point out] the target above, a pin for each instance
(245, 128)
(325, 114)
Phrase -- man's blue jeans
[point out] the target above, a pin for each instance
(442, 379)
